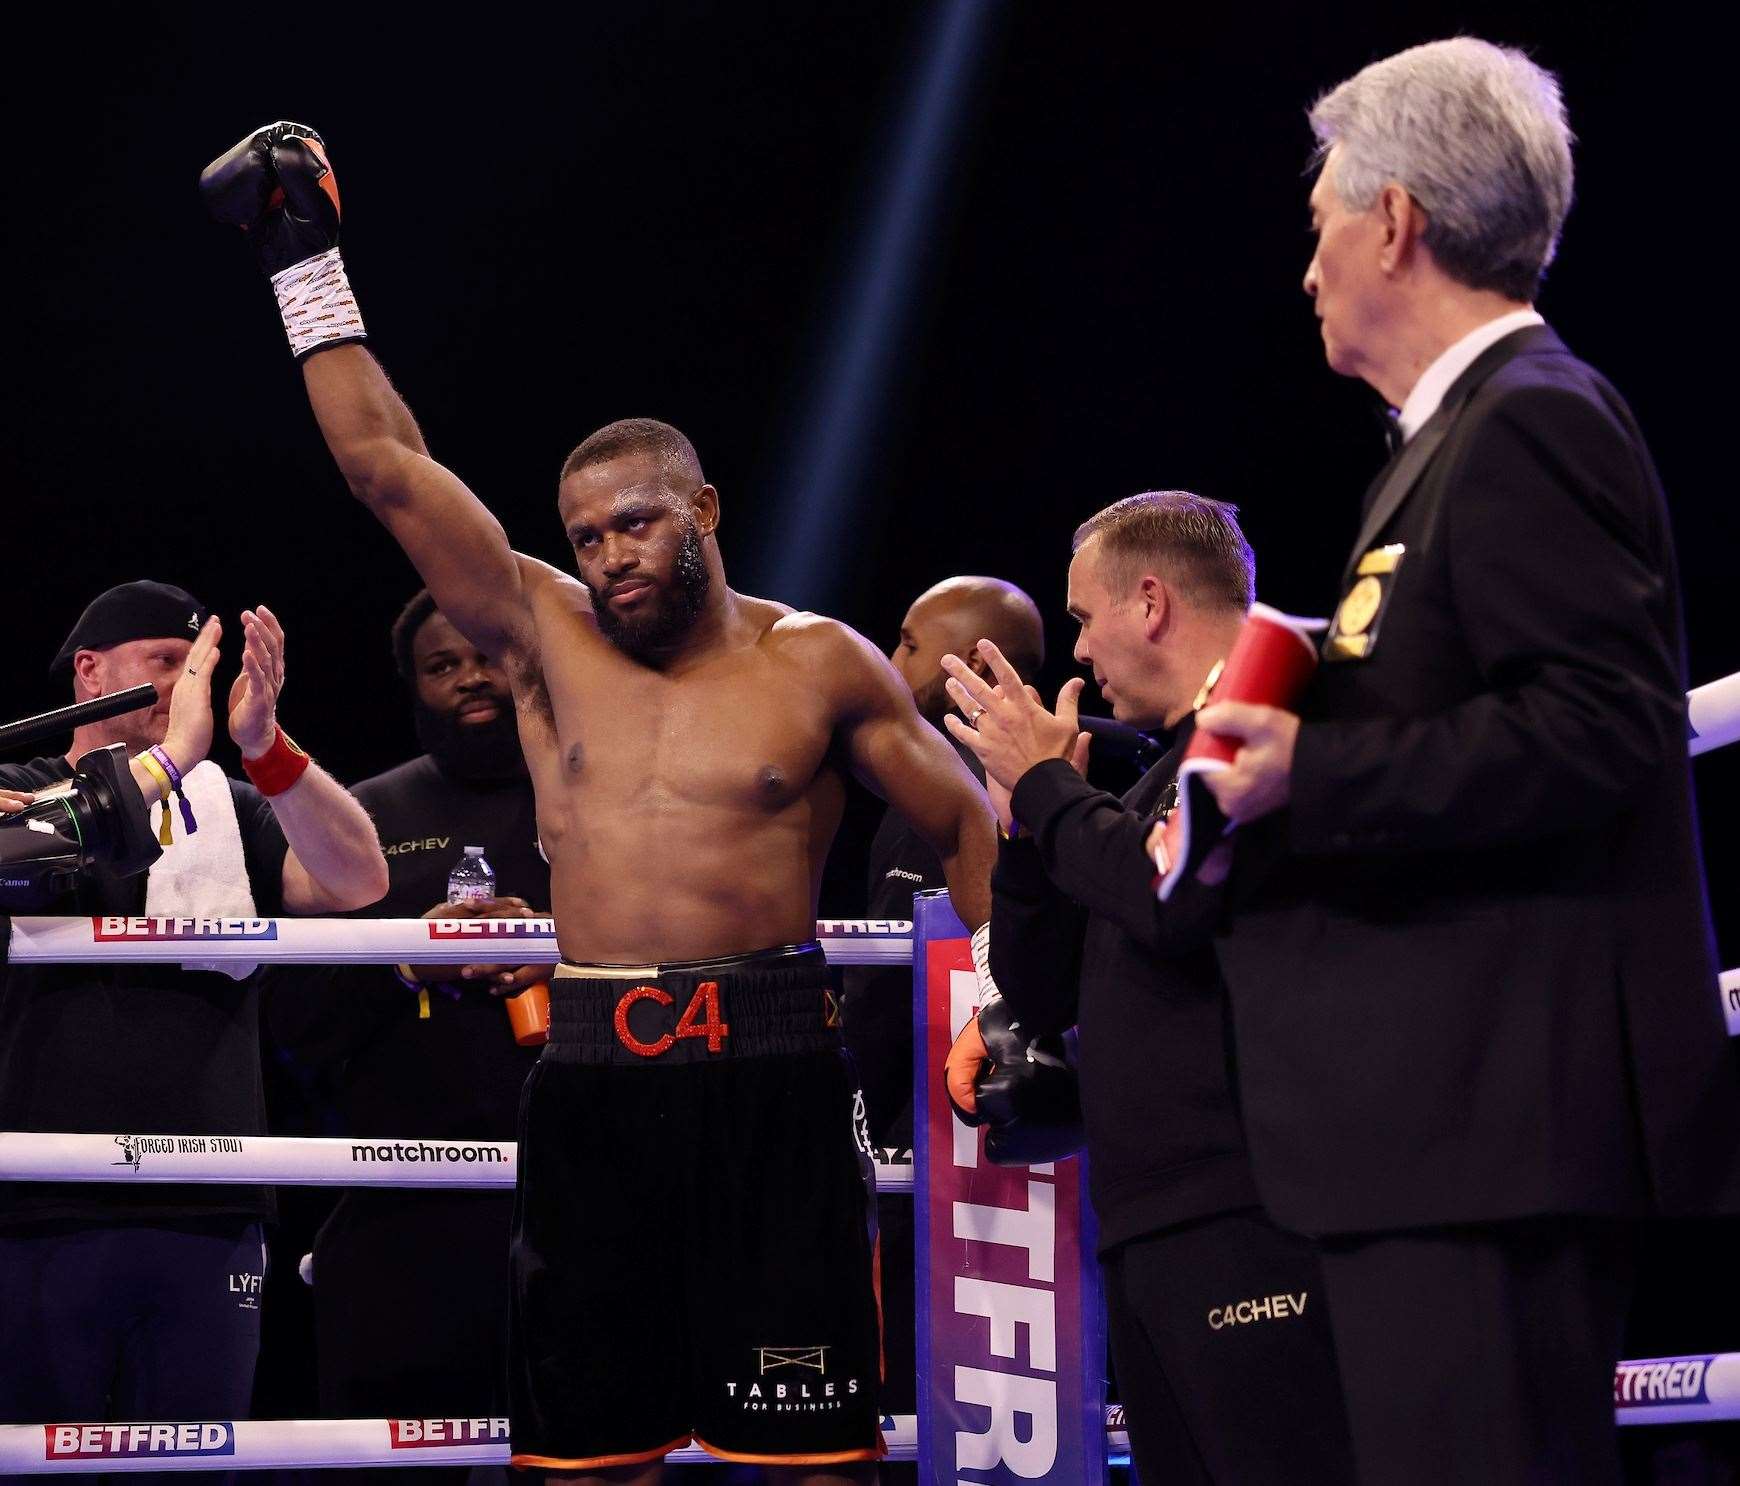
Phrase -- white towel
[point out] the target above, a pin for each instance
(203, 875)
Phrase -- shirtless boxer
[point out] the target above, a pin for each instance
(691, 1254)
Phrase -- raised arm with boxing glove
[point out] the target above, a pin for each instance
(279, 188)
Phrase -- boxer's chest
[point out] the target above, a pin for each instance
(739, 732)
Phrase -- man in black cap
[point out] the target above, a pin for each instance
(142, 1302)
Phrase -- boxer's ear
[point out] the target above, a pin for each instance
(705, 505)
(979, 666)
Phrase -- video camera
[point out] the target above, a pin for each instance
(98, 817)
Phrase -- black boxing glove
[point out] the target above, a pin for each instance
(1024, 1089)
(278, 186)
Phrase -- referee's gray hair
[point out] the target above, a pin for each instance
(1477, 135)
(1194, 541)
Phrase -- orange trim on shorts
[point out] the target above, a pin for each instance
(595, 1462)
(839, 1457)
(881, 1320)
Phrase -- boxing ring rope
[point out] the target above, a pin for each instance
(1640, 1393)
(1713, 711)
(284, 1161)
(367, 941)
(1669, 1390)
(419, 941)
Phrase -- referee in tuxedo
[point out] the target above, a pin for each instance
(1473, 979)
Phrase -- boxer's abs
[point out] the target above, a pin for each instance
(688, 878)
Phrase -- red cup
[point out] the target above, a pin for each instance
(1271, 661)
(1272, 658)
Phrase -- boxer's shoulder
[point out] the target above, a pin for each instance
(852, 676)
(810, 639)
(551, 592)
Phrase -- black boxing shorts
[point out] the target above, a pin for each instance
(693, 1247)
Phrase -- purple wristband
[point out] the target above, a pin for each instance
(161, 754)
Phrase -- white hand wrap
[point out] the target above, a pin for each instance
(316, 303)
(982, 964)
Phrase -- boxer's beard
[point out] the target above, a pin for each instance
(932, 701)
(654, 629)
(471, 750)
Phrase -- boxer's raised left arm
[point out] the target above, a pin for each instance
(896, 753)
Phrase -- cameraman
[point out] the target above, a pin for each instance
(141, 1302)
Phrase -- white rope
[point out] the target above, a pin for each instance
(266, 1444)
(366, 941)
(1657, 1390)
(285, 1160)
(1715, 713)
(46, 940)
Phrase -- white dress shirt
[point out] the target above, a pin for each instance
(1437, 378)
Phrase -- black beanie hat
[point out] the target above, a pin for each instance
(134, 611)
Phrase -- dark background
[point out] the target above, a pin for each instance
(633, 209)
(553, 221)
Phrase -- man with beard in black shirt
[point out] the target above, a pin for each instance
(411, 1287)
(1216, 1317)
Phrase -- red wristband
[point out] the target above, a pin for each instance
(279, 767)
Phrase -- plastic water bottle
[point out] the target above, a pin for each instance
(472, 879)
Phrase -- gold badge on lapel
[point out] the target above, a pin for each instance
(1354, 630)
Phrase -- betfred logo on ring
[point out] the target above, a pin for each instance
(1637, 1385)
(426, 1434)
(133, 930)
(136, 1441)
(491, 928)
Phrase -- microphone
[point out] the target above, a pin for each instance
(65, 719)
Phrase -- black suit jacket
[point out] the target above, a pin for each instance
(1077, 936)
(1471, 966)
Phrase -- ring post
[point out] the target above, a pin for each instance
(1011, 1331)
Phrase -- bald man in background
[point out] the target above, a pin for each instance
(876, 1004)
(876, 1010)
(950, 619)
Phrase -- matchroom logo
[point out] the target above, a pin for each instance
(422, 1150)
(136, 1441)
(429, 1434)
(175, 930)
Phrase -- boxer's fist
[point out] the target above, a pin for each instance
(277, 186)
(1024, 1090)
